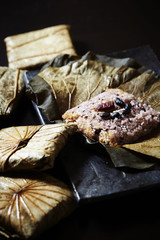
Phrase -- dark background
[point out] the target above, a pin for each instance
(103, 27)
(99, 25)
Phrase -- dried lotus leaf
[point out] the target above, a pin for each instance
(122, 157)
(67, 83)
(149, 147)
(37, 47)
(64, 59)
(32, 147)
(12, 139)
(152, 97)
(31, 203)
(11, 88)
(147, 87)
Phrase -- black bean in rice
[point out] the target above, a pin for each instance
(114, 117)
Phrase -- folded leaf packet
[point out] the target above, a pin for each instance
(32, 147)
(11, 89)
(37, 47)
(31, 203)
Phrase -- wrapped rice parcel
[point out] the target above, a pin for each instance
(32, 147)
(31, 203)
(34, 48)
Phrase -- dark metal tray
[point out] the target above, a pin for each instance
(89, 167)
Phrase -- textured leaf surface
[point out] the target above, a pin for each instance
(76, 82)
(122, 157)
(11, 87)
(37, 47)
(32, 203)
(29, 147)
(147, 87)
(149, 147)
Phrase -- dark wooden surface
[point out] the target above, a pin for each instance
(101, 26)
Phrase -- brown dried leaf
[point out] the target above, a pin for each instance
(79, 81)
(32, 203)
(147, 87)
(149, 147)
(29, 147)
(37, 47)
(11, 88)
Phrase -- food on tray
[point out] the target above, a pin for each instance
(82, 90)
(11, 89)
(114, 117)
(74, 83)
(32, 202)
(32, 147)
(37, 47)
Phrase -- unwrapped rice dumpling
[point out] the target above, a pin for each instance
(32, 147)
(32, 203)
(114, 117)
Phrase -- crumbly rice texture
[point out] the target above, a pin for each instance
(114, 117)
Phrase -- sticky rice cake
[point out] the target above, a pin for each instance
(114, 117)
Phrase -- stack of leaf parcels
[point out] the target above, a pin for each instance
(32, 201)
